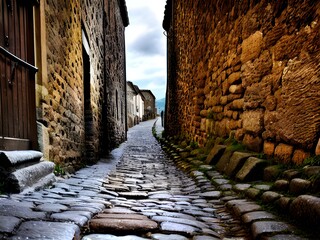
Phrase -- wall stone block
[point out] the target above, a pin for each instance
(283, 153)
(253, 121)
(259, 63)
(268, 148)
(251, 46)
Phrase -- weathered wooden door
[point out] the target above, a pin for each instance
(17, 76)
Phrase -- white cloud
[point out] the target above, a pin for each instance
(146, 45)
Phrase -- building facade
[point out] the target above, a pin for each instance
(80, 87)
(135, 104)
(150, 111)
(248, 69)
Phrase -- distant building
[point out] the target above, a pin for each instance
(150, 111)
(135, 105)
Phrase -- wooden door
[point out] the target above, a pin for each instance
(17, 76)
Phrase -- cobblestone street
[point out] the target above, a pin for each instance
(145, 196)
(138, 193)
(149, 194)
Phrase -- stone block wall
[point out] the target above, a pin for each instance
(116, 99)
(61, 103)
(245, 68)
(93, 27)
(78, 114)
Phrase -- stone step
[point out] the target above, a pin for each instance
(34, 176)
(15, 158)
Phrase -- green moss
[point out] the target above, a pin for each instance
(58, 170)
(312, 161)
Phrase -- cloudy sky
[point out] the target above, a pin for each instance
(146, 45)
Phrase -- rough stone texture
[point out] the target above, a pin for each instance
(268, 227)
(77, 93)
(236, 162)
(269, 197)
(107, 225)
(283, 153)
(26, 177)
(47, 230)
(9, 223)
(256, 216)
(306, 208)
(281, 185)
(177, 228)
(273, 57)
(224, 161)
(13, 158)
(251, 170)
(271, 173)
(111, 237)
(299, 186)
(215, 154)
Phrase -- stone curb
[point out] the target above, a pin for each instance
(263, 225)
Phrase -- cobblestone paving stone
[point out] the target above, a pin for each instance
(138, 193)
(153, 199)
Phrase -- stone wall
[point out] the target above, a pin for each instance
(245, 68)
(73, 101)
(116, 101)
(61, 103)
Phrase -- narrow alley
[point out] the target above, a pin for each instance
(138, 193)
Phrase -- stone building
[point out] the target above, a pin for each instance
(135, 105)
(248, 69)
(78, 49)
(150, 111)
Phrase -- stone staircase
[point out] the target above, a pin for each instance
(22, 171)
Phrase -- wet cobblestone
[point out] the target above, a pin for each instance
(147, 183)
(138, 193)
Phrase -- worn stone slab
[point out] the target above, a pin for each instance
(118, 210)
(160, 236)
(178, 228)
(47, 230)
(12, 158)
(51, 207)
(215, 154)
(299, 186)
(11, 202)
(111, 237)
(240, 187)
(281, 185)
(28, 176)
(105, 225)
(270, 196)
(211, 194)
(8, 223)
(236, 162)
(134, 194)
(122, 216)
(193, 223)
(21, 212)
(306, 209)
(160, 196)
(240, 209)
(267, 227)
(99, 205)
(255, 216)
(224, 161)
(205, 238)
(79, 218)
(284, 237)
(251, 170)
(116, 187)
